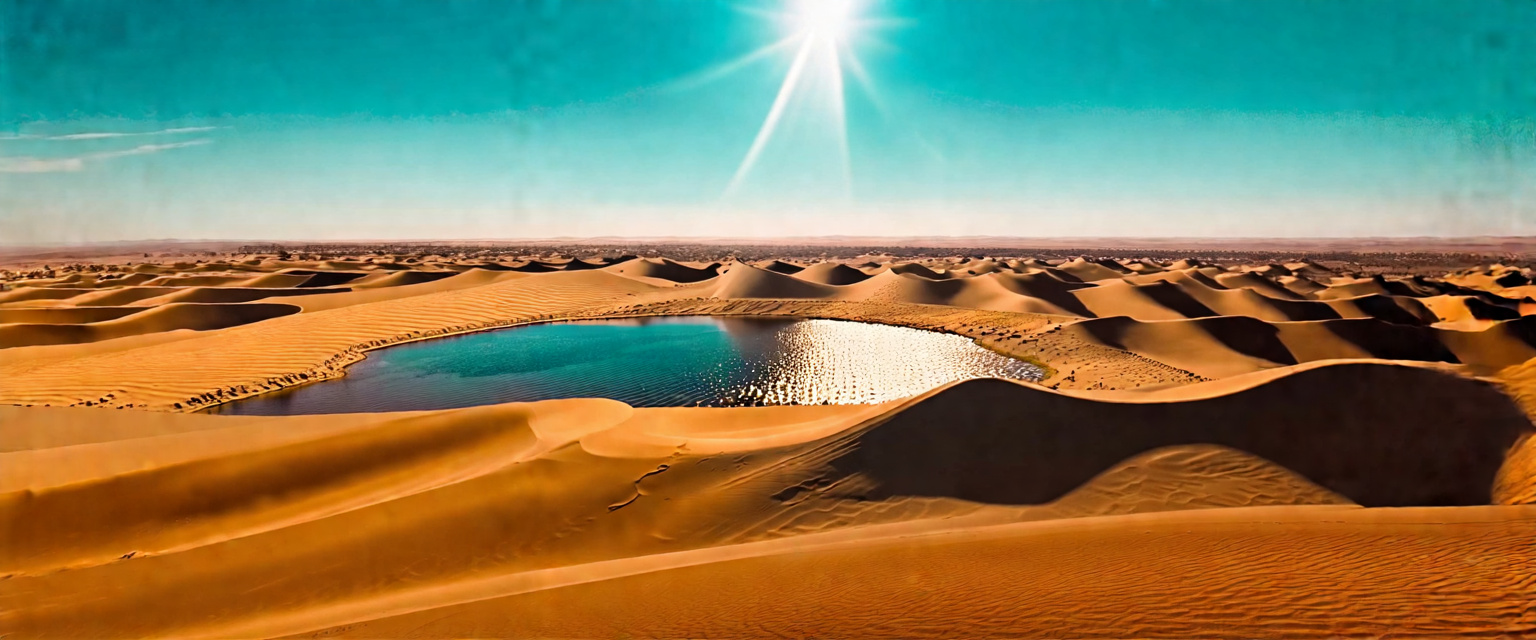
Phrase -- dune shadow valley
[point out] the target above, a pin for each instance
(1134, 443)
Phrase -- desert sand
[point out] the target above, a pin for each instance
(1218, 450)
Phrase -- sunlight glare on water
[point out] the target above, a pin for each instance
(842, 362)
(652, 362)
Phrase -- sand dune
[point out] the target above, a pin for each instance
(664, 269)
(1046, 287)
(1210, 347)
(779, 266)
(386, 290)
(914, 269)
(1074, 579)
(1093, 271)
(1140, 290)
(1356, 288)
(532, 266)
(398, 278)
(168, 317)
(1224, 433)
(993, 292)
(1157, 301)
(1339, 446)
(370, 505)
(1298, 285)
(287, 350)
(196, 281)
(229, 295)
(1469, 309)
(746, 281)
(275, 280)
(1257, 283)
(64, 315)
(315, 477)
(1500, 345)
(831, 273)
(31, 294)
(1220, 347)
(1397, 310)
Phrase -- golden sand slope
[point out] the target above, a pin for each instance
(268, 526)
(166, 317)
(1263, 572)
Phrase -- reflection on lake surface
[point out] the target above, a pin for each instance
(652, 362)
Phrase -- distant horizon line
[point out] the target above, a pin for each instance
(1524, 245)
(904, 239)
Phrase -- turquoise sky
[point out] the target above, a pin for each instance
(354, 119)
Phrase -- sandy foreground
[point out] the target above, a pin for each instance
(1217, 451)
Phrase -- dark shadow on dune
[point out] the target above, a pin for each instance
(1060, 275)
(1110, 331)
(532, 266)
(1111, 265)
(1303, 310)
(1512, 279)
(832, 273)
(914, 269)
(1523, 329)
(678, 272)
(326, 278)
(231, 295)
(419, 277)
(1390, 341)
(1380, 435)
(1047, 288)
(1171, 296)
(1483, 310)
(786, 268)
(582, 265)
(1387, 309)
(1248, 336)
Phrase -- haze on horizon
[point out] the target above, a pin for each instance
(298, 119)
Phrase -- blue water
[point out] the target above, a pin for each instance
(655, 362)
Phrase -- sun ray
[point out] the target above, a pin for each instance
(856, 68)
(840, 116)
(774, 114)
(706, 76)
(822, 28)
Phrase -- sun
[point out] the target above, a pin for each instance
(824, 19)
(820, 30)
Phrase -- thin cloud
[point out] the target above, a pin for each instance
(40, 165)
(56, 165)
(107, 134)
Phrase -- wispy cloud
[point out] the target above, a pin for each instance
(101, 135)
(109, 134)
(40, 165)
(27, 164)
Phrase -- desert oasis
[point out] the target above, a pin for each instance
(1191, 447)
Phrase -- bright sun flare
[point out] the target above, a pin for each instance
(820, 27)
(827, 19)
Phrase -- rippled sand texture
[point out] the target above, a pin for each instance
(1222, 475)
